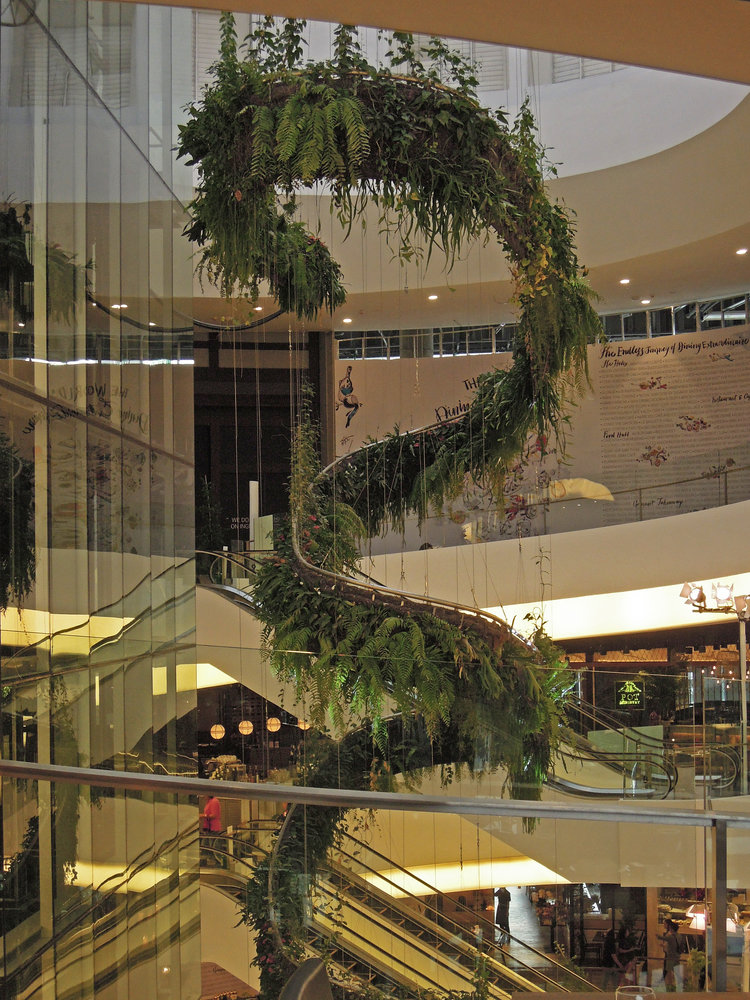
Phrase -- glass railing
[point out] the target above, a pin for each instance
(429, 862)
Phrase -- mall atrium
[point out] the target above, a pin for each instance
(497, 644)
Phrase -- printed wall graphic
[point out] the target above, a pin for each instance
(661, 432)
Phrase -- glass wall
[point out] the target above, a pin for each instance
(97, 660)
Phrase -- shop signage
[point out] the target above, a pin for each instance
(629, 694)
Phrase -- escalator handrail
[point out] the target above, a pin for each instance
(418, 944)
(618, 761)
(478, 918)
(519, 980)
(114, 882)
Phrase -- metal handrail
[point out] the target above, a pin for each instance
(550, 960)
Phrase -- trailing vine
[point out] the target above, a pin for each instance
(441, 171)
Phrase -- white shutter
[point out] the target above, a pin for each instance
(492, 65)
(206, 43)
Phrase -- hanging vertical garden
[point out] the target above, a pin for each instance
(442, 171)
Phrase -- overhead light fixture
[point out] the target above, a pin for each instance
(303, 725)
(259, 309)
(217, 731)
(245, 727)
(273, 724)
(624, 281)
(151, 323)
(347, 319)
(693, 594)
(742, 605)
(119, 305)
(722, 594)
(645, 302)
(741, 252)
(432, 297)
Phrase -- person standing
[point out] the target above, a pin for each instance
(211, 829)
(671, 954)
(627, 955)
(502, 914)
(610, 961)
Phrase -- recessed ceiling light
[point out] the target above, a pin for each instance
(624, 281)
(259, 309)
(645, 302)
(741, 252)
(115, 305)
(432, 297)
(347, 319)
(151, 323)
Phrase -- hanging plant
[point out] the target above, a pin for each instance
(441, 169)
(64, 276)
(17, 553)
(354, 658)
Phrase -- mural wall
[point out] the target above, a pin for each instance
(660, 432)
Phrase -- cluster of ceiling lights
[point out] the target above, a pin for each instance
(245, 727)
(722, 595)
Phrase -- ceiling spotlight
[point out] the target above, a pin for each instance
(151, 323)
(645, 302)
(693, 594)
(115, 305)
(722, 594)
(624, 281)
(259, 309)
(432, 297)
(347, 319)
(741, 252)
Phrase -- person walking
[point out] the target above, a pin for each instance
(211, 829)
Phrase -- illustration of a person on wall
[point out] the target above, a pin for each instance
(346, 397)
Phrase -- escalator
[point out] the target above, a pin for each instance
(98, 921)
(431, 920)
(649, 766)
(387, 938)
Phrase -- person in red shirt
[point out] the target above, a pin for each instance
(211, 830)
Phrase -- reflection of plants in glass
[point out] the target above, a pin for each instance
(208, 517)
(17, 558)
(65, 278)
(16, 270)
